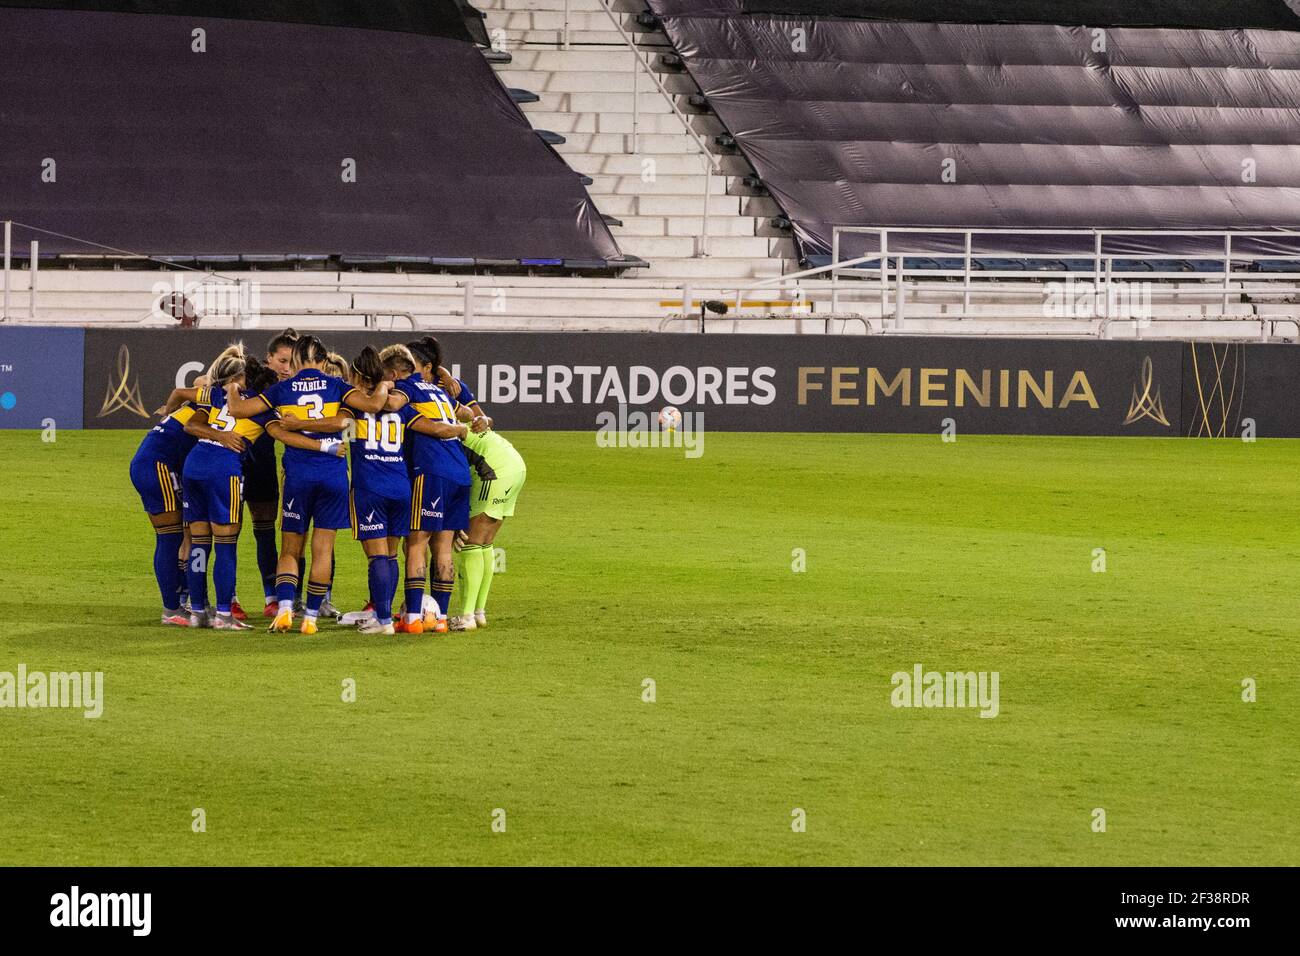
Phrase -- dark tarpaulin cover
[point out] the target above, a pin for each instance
(240, 150)
(442, 18)
(1195, 14)
(1157, 132)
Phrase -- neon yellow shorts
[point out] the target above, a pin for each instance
(497, 498)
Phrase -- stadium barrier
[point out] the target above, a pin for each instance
(739, 383)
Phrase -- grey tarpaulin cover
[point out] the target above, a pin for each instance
(1047, 126)
(239, 150)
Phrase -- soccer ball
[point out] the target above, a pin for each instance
(670, 419)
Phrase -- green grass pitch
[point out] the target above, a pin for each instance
(1119, 690)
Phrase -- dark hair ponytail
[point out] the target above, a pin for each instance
(309, 350)
(427, 350)
(285, 339)
(368, 367)
(257, 376)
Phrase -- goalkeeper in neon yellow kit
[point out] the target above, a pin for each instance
(498, 476)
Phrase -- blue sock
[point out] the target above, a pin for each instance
(329, 595)
(286, 586)
(182, 585)
(381, 589)
(414, 593)
(224, 571)
(315, 597)
(196, 572)
(394, 579)
(267, 556)
(442, 594)
(167, 544)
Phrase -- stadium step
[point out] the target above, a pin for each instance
(646, 166)
(589, 92)
(650, 124)
(592, 81)
(613, 143)
(683, 226)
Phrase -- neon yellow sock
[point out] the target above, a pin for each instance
(489, 565)
(469, 571)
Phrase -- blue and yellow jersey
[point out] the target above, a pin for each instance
(212, 459)
(307, 395)
(167, 441)
(427, 455)
(378, 458)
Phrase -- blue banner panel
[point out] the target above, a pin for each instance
(41, 377)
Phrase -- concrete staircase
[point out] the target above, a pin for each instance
(653, 182)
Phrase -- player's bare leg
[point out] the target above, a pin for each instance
(443, 565)
(417, 553)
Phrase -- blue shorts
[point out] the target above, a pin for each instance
(322, 502)
(158, 484)
(438, 504)
(261, 477)
(217, 500)
(376, 516)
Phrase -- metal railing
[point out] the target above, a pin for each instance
(890, 259)
(712, 164)
(33, 269)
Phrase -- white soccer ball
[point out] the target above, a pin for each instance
(670, 419)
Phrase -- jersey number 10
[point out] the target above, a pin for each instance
(384, 432)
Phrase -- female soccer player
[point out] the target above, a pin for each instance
(213, 479)
(439, 489)
(315, 483)
(262, 480)
(428, 356)
(156, 473)
(492, 500)
(198, 550)
(381, 486)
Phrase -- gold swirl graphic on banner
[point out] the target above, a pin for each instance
(1146, 405)
(123, 396)
(1223, 395)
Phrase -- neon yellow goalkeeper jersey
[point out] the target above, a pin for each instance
(499, 454)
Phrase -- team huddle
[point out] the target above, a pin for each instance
(431, 483)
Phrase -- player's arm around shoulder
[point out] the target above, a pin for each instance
(242, 407)
(199, 428)
(426, 426)
(369, 404)
(277, 429)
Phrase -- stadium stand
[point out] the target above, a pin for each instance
(649, 172)
(238, 152)
(731, 185)
(871, 123)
